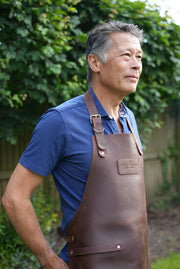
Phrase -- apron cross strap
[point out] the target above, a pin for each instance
(95, 119)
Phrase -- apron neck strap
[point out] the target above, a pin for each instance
(95, 119)
(135, 137)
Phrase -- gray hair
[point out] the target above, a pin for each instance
(99, 42)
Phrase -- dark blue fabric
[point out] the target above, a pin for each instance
(61, 144)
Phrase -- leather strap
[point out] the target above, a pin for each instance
(135, 137)
(95, 249)
(95, 119)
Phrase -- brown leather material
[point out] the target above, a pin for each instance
(96, 122)
(135, 137)
(109, 229)
(95, 249)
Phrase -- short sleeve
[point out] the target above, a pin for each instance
(47, 144)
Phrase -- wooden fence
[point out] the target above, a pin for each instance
(160, 141)
(160, 161)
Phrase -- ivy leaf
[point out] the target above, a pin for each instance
(48, 51)
(54, 69)
(22, 32)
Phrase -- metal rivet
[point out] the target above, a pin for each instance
(118, 246)
(71, 252)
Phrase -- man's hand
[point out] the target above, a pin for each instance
(58, 264)
(51, 261)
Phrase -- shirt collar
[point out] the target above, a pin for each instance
(122, 110)
(102, 111)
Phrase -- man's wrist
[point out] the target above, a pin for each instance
(47, 257)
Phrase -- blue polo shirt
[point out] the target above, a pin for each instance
(61, 144)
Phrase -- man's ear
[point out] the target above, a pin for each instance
(94, 63)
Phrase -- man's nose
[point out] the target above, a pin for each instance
(136, 63)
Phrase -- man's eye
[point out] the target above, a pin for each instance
(139, 56)
(127, 54)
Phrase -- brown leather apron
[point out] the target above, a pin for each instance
(109, 229)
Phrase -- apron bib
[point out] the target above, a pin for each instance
(109, 229)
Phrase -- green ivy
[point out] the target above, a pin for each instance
(35, 39)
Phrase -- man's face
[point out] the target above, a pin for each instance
(120, 74)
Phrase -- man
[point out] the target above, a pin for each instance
(91, 145)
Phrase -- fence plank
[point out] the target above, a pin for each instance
(178, 147)
(159, 141)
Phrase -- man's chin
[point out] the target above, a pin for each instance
(131, 91)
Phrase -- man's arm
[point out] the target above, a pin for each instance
(18, 206)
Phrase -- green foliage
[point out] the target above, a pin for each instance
(13, 253)
(43, 208)
(43, 58)
(171, 262)
(34, 69)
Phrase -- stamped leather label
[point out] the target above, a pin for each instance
(128, 166)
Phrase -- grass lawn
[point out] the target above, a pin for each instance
(171, 262)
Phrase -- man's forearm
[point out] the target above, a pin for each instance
(24, 220)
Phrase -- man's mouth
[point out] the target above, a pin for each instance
(134, 77)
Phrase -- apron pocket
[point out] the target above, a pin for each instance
(94, 250)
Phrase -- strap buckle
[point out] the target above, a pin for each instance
(94, 116)
(91, 120)
(98, 131)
